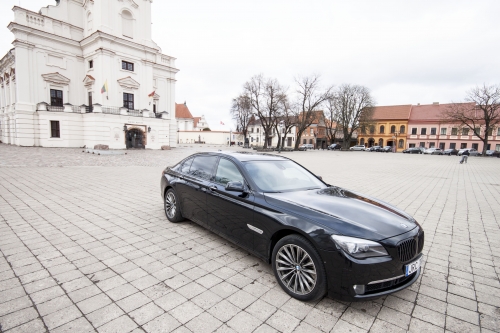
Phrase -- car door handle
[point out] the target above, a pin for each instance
(213, 188)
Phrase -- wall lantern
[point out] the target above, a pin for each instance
(124, 128)
(149, 129)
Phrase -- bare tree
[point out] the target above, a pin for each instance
(266, 99)
(353, 106)
(241, 111)
(287, 119)
(331, 120)
(309, 98)
(481, 111)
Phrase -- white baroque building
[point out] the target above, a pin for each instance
(86, 72)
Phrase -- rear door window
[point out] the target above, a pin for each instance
(203, 167)
(186, 166)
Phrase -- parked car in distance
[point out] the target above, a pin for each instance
(334, 146)
(374, 148)
(450, 152)
(433, 151)
(386, 149)
(472, 152)
(412, 150)
(493, 153)
(317, 238)
(306, 146)
(358, 147)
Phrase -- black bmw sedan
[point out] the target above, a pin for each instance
(319, 238)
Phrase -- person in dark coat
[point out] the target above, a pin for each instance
(465, 155)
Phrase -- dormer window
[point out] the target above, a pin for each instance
(128, 66)
(127, 24)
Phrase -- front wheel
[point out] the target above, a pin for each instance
(171, 205)
(298, 268)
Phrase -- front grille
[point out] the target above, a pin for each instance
(420, 242)
(407, 249)
(370, 288)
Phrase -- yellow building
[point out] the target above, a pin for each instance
(389, 126)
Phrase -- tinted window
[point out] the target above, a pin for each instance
(184, 167)
(203, 166)
(227, 172)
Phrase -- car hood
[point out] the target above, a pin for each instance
(346, 212)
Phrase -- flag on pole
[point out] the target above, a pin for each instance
(221, 123)
(104, 87)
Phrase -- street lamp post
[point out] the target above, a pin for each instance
(279, 136)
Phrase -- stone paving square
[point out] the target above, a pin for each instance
(85, 247)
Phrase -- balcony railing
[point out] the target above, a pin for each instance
(134, 113)
(55, 108)
(110, 110)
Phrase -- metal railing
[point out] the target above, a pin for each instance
(55, 108)
(134, 113)
(110, 110)
(75, 109)
(89, 109)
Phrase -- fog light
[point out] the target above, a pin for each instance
(359, 289)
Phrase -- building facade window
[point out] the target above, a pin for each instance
(433, 130)
(54, 129)
(441, 145)
(362, 142)
(498, 132)
(402, 129)
(56, 97)
(453, 145)
(91, 63)
(414, 131)
(382, 129)
(127, 24)
(443, 131)
(490, 132)
(393, 129)
(463, 145)
(372, 129)
(381, 142)
(465, 131)
(304, 141)
(257, 130)
(423, 131)
(128, 101)
(454, 131)
(477, 131)
(497, 147)
(432, 145)
(422, 144)
(475, 146)
(128, 66)
(401, 143)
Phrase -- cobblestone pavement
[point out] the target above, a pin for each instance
(85, 247)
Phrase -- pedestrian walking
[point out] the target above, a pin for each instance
(465, 155)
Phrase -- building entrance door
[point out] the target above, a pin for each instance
(135, 139)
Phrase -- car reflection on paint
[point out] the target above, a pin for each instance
(320, 239)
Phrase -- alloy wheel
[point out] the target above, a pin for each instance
(170, 205)
(296, 269)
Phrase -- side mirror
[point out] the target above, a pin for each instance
(235, 187)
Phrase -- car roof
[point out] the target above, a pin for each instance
(248, 156)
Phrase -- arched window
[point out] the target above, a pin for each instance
(381, 142)
(89, 21)
(382, 129)
(393, 129)
(127, 24)
(400, 143)
(310, 141)
(402, 129)
(372, 129)
(362, 142)
(363, 129)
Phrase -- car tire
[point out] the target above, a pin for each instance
(171, 206)
(310, 268)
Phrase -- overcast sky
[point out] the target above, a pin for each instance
(405, 52)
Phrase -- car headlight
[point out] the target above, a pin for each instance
(359, 248)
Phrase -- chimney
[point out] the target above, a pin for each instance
(436, 103)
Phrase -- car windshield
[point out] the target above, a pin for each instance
(281, 176)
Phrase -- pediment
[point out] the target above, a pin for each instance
(132, 3)
(156, 96)
(56, 78)
(128, 82)
(88, 81)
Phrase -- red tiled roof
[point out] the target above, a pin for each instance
(182, 111)
(429, 112)
(391, 112)
(196, 120)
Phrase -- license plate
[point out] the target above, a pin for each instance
(412, 267)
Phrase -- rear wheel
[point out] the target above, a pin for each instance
(298, 268)
(171, 205)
